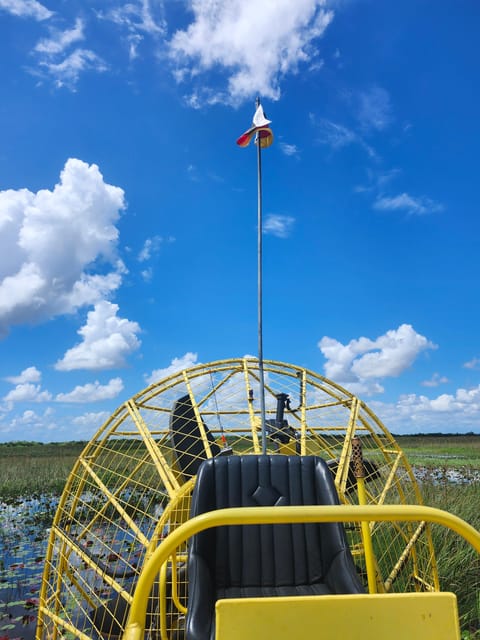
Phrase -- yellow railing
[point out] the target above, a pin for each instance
(279, 515)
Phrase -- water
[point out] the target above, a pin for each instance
(441, 475)
(24, 528)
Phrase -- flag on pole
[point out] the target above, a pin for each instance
(260, 128)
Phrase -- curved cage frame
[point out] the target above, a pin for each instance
(127, 490)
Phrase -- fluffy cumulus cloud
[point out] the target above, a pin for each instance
(435, 381)
(32, 425)
(106, 341)
(177, 364)
(26, 9)
(254, 45)
(360, 364)
(474, 363)
(26, 389)
(27, 392)
(451, 412)
(53, 242)
(91, 419)
(30, 374)
(278, 225)
(92, 392)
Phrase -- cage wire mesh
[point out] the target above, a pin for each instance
(132, 484)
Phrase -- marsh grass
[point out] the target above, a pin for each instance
(28, 468)
(33, 469)
(442, 450)
(458, 563)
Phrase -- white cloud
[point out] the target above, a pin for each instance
(178, 364)
(106, 341)
(65, 69)
(51, 241)
(377, 181)
(359, 364)
(255, 46)
(147, 274)
(61, 40)
(87, 424)
(278, 225)
(474, 363)
(28, 417)
(333, 134)
(46, 426)
(374, 109)
(381, 179)
(133, 40)
(410, 204)
(150, 247)
(337, 136)
(137, 19)
(92, 392)
(91, 420)
(27, 392)
(66, 73)
(31, 374)
(29, 425)
(25, 389)
(137, 15)
(435, 381)
(414, 413)
(289, 149)
(26, 9)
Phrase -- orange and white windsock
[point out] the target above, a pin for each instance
(260, 128)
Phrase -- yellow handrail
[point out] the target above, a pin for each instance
(280, 515)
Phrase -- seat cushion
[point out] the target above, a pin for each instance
(318, 589)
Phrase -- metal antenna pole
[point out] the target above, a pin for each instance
(260, 294)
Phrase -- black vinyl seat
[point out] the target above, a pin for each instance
(264, 560)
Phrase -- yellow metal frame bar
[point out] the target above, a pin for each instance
(164, 471)
(367, 541)
(135, 628)
(115, 503)
(403, 558)
(254, 422)
(201, 427)
(344, 464)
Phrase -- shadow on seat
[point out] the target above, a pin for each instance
(264, 560)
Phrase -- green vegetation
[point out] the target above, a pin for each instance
(458, 563)
(35, 468)
(30, 469)
(442, 450)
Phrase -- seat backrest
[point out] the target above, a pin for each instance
(188, 445)
(266, 555)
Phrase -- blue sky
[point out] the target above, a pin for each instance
(128, 213)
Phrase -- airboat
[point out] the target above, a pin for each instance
(245, 498)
